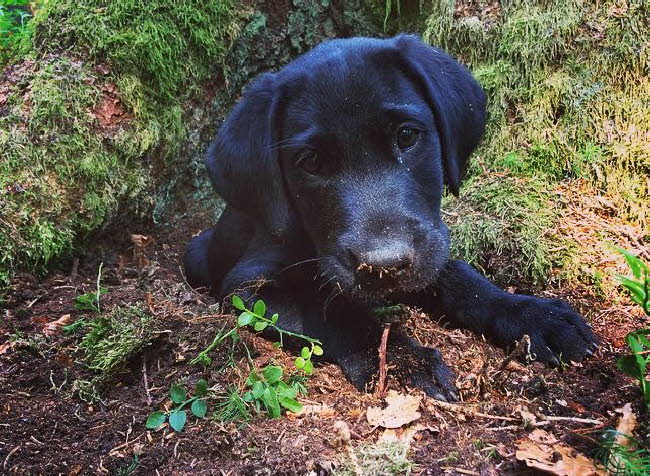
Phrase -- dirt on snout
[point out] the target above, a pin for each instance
(59, 416)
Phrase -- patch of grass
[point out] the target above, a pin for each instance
(566, 84)
(619, 459)
(231, 407)
(113, 338)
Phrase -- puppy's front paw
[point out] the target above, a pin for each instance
(557, 332)
(424, 368)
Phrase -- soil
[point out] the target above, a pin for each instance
(46, 428)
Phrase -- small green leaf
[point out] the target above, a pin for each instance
(272, 373)
(155, 420)
(274, 318)
(177, 393)
(248, 397)
(628, 365)
(277, 345)
(252, 378)
(299, 362)
(259, 308)
(308, 368)
(177, 420)
(199, 408)
(238, 303)
(270, 399)
(305, 353)
(201, 387)
(260, 325)
(258, 389)
(283, 390)
(245, 318)
(290, 404)
(634, 262)
(317, 350)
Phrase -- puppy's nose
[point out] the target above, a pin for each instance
(385, 257)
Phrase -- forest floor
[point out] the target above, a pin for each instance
(46, 428)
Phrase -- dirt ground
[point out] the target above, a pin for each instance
(46, 428)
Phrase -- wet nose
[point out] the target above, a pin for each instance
(384, 257)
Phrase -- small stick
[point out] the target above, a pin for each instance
(381, 384)
(523, 344)
(145, 382)
(4, 465)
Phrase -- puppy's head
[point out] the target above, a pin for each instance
(353, 142)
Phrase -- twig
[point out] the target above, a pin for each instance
(343, 433)
(460, 470)
(523, 344)
(573, 419)
(124, 445)
(145, 381)
(469, 411)
(4, 465)
(381, 384)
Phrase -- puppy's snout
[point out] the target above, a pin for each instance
(384, 258)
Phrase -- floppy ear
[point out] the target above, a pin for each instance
(241, 162)
(457, 101)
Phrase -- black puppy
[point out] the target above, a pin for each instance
(333, 170)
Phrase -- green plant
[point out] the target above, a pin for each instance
(256, 319)
(177, 416)
(639, 283)
(270, 393)
(267, 390)
(620, 459)
(90, 301)
(636, 364)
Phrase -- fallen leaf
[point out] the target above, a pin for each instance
(317, 410)
(624, 432)
(53, 327)
(576, 407)
(400, 410)
(541, 450)
(7, 346)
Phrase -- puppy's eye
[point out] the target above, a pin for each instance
(308, 161)
(407, 138)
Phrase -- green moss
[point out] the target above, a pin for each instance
(67, 169)
(501, 217)
(567, 93)
(114, 338)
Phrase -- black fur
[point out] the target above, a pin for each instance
(337, 217)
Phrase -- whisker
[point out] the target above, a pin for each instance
(325, 283)
(299, 263)
(333, 295)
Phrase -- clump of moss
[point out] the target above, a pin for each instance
(95, 113)
(113, 338)
(567, 93)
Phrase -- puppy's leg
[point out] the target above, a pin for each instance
(470, 301)
(349, 333)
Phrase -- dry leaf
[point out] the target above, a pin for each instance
(624, 431)
(53, 327)
(401, 410)
(7, 346)
(317, 410)
(541, 450)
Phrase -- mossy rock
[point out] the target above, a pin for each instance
(106, 110)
